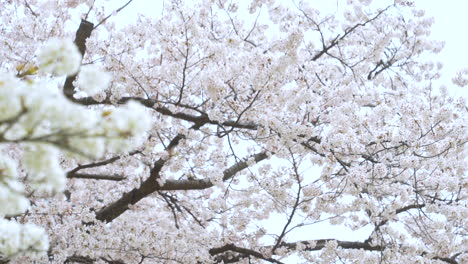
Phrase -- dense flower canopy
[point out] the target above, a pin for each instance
(183, 136)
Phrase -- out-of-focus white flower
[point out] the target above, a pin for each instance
(12, 200)
(10, 101)
(130, 119)
(34, 237)
(16, 238)
(137, 119)
(59, 57)
(50, 116)
(91, 146)
(92, 79)
(126, 126)
(7, 168)
(42, 164)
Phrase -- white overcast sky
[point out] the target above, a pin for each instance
(451, 21)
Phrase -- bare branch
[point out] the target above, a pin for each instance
(90, 176)
(94, 164)
(115, 12)
(348, 31)
(244, 251)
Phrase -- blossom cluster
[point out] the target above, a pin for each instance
(277, 123)
(47, 126)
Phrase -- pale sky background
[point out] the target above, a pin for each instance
(451, 21)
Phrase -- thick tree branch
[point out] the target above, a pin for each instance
(115, 177)
(88, 260)
(151, 185)
(448, 260)
(319, 244)
(95, 164)
(401, 210)
(82, 34)
(315, 245)
(90, 176)
(79, 259)
(245, 252)
(222, 253)
(151, 103)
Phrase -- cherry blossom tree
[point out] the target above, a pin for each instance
(253, 111)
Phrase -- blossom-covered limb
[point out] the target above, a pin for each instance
(76, 175)
(348, 31)
(315, 245)
(150, 185)
(155, 105)
(222, 257)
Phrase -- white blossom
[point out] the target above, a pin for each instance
(43, 167)
(18, 239)
(10, 100)
(59, 57)
(129, 121)
(92, 79)
(11, 190)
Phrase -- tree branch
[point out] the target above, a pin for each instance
(79, 259)
(150, 185)
(314, 245)
(82, 34)
(244, 251)
(91, 176)
(113, 13)
(95, 164)
(348, 31)
(295, 206)
(150, 103)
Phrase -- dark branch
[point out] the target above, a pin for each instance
(90, 176)
(150, 103)
(79, 259)
(319, 244)
(82, 34)
(316, 245)
(95, 164)
(244, 251)
(348, 31)
(151, 185)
